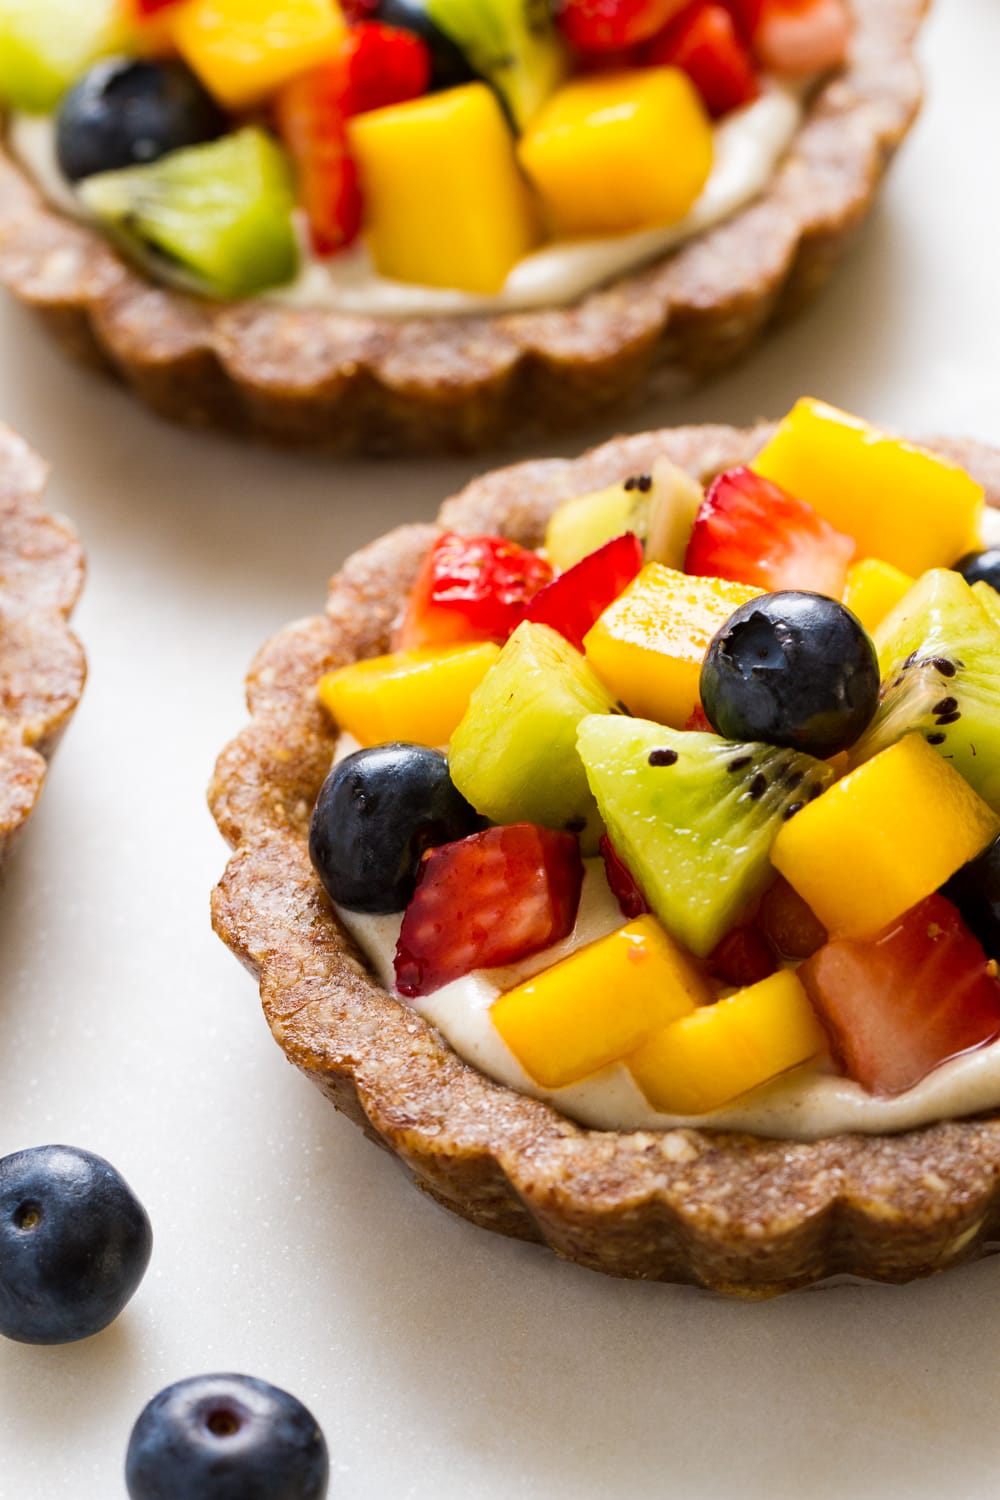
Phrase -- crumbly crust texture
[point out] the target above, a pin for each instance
(42, 668)
(745, 1216)
(358, 384)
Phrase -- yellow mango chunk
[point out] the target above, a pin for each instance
(417, 696)
(598, 1004)
(619, 152)
(883, 838)
(899, 502)
(243, 50)
(726, 1049)
(445, 204)
(873, 588)
(648, 646)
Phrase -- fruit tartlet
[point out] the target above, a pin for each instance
(391, 224)
(624, 854)
(42, 668)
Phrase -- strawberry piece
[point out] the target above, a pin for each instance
(610, 25)
(311, 122)
(899, 1005)
(742, 958)
(624, 886)
(789, 923)
(572, 602)
(471, 588)
(751, 531)
(383, 65)
(746, 14)
(697, 721)
(797, 38)
(704, 42)
(152, 7)
(487, 900)
(356, 11)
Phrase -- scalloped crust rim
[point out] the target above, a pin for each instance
(353, 384)
(746, 1216)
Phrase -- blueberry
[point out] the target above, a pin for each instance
(975, 890)
(791, 669)
(123, 113)
(226, 1437)
(449, 65)
(74, 1244)
(981, 567)
(377, 812)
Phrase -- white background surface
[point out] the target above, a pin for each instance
(441, 1361)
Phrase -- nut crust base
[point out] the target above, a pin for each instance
(42, 667)
(741, 1215)
(378, 385)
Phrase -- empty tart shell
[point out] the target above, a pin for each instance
(351, 383)
(42, 668)
(733, 1212)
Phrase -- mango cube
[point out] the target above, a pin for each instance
(445, 203)
(619, 152)
(244, 50)
(599, 1004)
(874, 588)
(417, 696)
(724, 1050)
(899, 502)
(883, 838)
(649, 645)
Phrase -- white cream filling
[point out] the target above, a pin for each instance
(749, 144)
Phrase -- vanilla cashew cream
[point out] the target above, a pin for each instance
(749, 145)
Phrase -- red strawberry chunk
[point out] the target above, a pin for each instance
(572, 602)
(802, 37)
(742, 958)
(609, 25)
(151, 7)
(746, 14)
(752, 531)
(624, 886)
(697, 721)
(471, 588)
(487, 900)
(899, 1005)
(312, 123)
(383, 65)
(789, 923)
(704, 42)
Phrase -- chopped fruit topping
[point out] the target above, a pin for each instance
(573, 602)
(419, 696)
(560, 1025)
(471, 588)
(382, 65)
(612, 25)
(622, 882)
(975, 890)
(901, 503)
(752, 531)
(746, 14)
(704, 1060)
(649, 645)
(698, 721)
(873, 588)
(512, 44)
(377, 812)
(791, 669)
(491, 899)
(153, 7)
(882, 839)
(900, 1005)
(658, 507)
(673, 504)
(704, 42)
(312, 124)
(514, 754)
(449, 66)
(595, 155)
(243, 50)
(445, 204)
(46, 44)
(789, 923)
(800, 38)
(693, 817)
(981, 566)
(743, 957)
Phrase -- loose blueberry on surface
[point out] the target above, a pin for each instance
(791, 669)
(449, 66)
(377, 812)
(74, 1244)
(226, 1437)
(975, 890)
(981, 567)
(124, 113)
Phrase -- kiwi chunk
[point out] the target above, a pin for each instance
(511, 43)
(938, 652)
(219, 215)
(46, 44)
(659, 507)
(514, 754)
(694, 816)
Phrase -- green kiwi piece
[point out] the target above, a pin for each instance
(511, 43)
(938, 652)
(46, 44)
(514, 754)
(694, 816)
(658, 507)
(218, 215)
